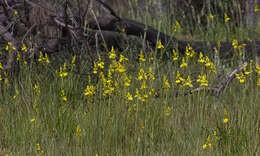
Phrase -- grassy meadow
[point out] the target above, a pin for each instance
(125, 103)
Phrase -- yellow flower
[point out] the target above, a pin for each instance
(127, 82)
(95, 68)
(258, 81)
(151, 74)
(100, 63)
(141, 57)
(235, 44)
(204, 146)
(89, 91)
(211, 16)
(168, 111)
(112, 54)
(141, 74)
(189, 51)
(225, 120)
(78, 131)
(160, 45)
(166, 83)
(201, 59)
(256, 8)
(241, 77)
(73, 61)
(226, 17)
(37, 89)
(38, 147)
(188, 82)
(33, 120)
(122, 58)
(1, 66)
(179, 79)
(63, 96)
(16, 93)
(15, 12)
(202, 80)
(174, 55)
(129, 96)
(177, 26)
(183, 63)
(24, 48)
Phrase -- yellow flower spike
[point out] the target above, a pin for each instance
(226, 17)
(38, 147)
(183, 63)
(204, 146)
(24, 48)
(188, 82)
(127, 82)
(207, 62)
(141, 74)
(202, 80)
(15, 13)
(211, 16)
(95, 68)
(129, 96)
(174, 55)
(256, 8)
(89, 91)
(122, 58)
(244, 69)
(201, 58)
(151, 74)
(235, 44)
(36, 89)
(166, 83)
(160, 45)
(179, 79)
(225, 120)
(112, 54)
(177, 27)
(141, 57)
(100, 63)
(33, 120)
(121, 68)
(78, 131)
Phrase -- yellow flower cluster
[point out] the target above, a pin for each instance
(63, 73)
(242, 75)
(44, 59)
(177, 27)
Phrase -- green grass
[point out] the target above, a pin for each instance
(41, 122)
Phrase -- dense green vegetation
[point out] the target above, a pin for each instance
(124, 104)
